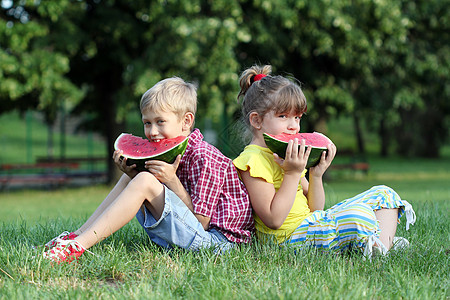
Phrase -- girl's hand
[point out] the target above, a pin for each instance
(121, 162)
(163, 171)
(296, 157)
(325, 161)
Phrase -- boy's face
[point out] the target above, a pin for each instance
(160, 125)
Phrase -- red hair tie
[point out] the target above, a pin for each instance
(258, 77)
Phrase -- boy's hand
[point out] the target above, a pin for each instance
(121, 162)
(163, 171)
(296, 157)
(325, 161)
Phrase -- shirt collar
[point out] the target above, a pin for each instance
(195, 137)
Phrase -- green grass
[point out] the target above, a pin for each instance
(126, 265)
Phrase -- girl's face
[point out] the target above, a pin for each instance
(277, 123)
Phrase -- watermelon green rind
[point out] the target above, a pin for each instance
(279, 147)
(168, 156)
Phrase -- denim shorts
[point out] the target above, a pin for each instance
(178, 226)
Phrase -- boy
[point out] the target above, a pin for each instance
(196, 202)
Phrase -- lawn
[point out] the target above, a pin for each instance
(126, 265)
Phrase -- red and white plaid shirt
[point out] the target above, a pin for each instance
(216, 191)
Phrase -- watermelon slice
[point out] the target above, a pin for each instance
(278, 144)
(138, 150)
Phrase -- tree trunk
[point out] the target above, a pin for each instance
(62, 127)
(384, 138)
(321, 125)
(113, 129)
(49, 140)
(358, 133)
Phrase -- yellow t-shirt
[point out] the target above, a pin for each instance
(260, 163)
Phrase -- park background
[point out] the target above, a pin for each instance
(376, 76)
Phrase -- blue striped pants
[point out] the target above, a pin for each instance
(350, 223)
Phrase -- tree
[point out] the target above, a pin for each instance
(333, 47)
(424, 69)
(135, 44)
(117, 49)
(378, 61)
(32, 72)
(405, 98)
(381, 61)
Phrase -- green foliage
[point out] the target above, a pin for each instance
(384, 61)
(425, 66)
(30, 67)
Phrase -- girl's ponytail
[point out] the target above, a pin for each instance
(262, 92)
(251, 75)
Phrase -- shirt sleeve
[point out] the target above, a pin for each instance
(206, 185)
(261, 165)
(304, 173)
(258, 165)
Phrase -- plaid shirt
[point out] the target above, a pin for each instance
(216, 191)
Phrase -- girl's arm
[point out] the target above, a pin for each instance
(305, 186)
(270, 206)
(315, 192)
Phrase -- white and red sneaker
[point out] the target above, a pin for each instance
(63, 236)
(65, 251)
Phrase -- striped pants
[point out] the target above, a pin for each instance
(350, 223)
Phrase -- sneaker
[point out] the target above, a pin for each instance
(65, 250)
(399, 243)
(374, 247)
(63, 236)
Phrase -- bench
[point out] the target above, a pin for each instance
(48, 173)
(72, 159)
(33, 179)
(49, 166)
(356, 166)
(37, 173)
(89, 163)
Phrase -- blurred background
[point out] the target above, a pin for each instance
(375, 73)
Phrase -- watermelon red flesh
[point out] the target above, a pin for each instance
(316, 140)
(138, 150)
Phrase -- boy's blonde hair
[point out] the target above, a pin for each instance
(171, 95)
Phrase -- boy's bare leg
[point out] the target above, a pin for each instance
(143, 188)
(118, 188)
(388, 225)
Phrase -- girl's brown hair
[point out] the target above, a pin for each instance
(276, 93)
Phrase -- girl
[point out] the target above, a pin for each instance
(288, 208)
